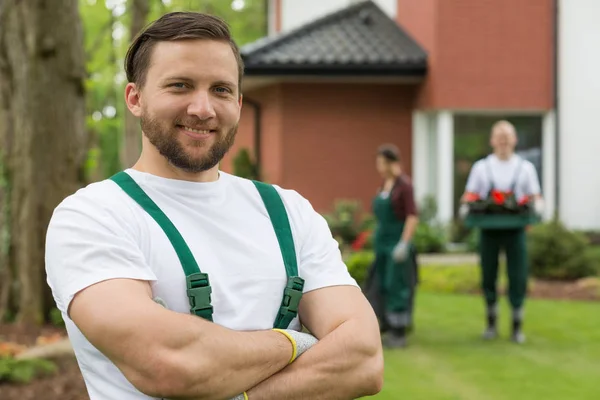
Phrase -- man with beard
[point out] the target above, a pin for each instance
(131, 257)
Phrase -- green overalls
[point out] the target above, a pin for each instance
(394, 278)
(198, 284)
(514, 243)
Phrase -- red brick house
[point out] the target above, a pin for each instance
(321, 94)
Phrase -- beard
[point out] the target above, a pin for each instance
(165, 139)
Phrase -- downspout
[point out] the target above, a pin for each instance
(257, 133)
(556, 111)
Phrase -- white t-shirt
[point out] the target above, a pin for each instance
(503, 173)
(100, 233)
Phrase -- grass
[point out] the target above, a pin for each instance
(446, 359)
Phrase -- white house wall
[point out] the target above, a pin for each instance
(299, 12)
(578, 110)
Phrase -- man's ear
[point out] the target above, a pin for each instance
(132, 99)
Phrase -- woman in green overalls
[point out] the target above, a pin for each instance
(396, 215)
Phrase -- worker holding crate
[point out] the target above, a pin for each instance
(502, 197)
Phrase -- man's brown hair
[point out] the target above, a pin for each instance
(176, 26)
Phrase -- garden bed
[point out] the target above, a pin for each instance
(66, 383)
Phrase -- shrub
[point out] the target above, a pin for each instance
(23, 371)
(429, 238)
(56, 317)
(346, 221)
(358, 264)
(557, 253)
(243, 166)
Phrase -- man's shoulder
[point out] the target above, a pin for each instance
(290, 197)
(527, 163)
(96, 197)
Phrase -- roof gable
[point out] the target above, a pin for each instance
(359, 39)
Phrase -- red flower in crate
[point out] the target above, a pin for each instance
(360, 240)
(498, 197)
(471, 197)
(523, 200)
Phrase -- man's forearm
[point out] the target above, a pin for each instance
(341, 366)
(246, 359)
(197, 359)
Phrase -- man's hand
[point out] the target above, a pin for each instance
(190, 358)
(463, 211)
(538, 205)
(300, 341)
(400, 252)
(346, 363)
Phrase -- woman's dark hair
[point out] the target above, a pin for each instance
(389, 152)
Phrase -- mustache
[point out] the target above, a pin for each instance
(197, 125)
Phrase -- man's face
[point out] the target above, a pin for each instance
(189, 107)
(503, 140)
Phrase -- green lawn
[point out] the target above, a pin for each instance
(446, 359)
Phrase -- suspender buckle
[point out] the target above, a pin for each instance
(291, 300)
(198, 291)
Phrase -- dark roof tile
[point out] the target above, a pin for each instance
(358, 39)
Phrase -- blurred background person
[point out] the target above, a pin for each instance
(499, 174)
(392, 278)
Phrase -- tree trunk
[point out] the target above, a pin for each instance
(132, 141)
(42, 67)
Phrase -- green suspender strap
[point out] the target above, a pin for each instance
(198, 286)
(295, 285)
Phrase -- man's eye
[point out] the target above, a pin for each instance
(178, 85)
(223, 89)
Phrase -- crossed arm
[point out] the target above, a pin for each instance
(173, 355)
(347, 363)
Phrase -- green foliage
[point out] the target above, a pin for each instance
(346, 221)
(23, 371)
(243, 166)
(358, 264)
(56, 317)
(556, 252)
(428, 209)
(430, 238)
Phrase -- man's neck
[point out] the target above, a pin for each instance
(504, 156)
(152, 162)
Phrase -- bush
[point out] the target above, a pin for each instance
(347, 221)
(557, 253)
(243, 166)
(358, 264)
(429, 238)
(56, 317)
(23, 371)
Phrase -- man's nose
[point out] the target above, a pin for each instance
(201, 106)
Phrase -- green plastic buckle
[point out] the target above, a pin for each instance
(198, 291)
(290, 302)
